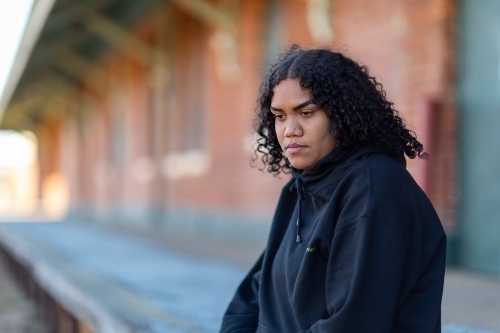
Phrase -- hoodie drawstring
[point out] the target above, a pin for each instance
(300, 190)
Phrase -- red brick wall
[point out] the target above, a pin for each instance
(407, 45)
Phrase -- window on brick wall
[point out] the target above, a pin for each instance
(118, 149)
(186, 154)
(274, 34)
(189, 102)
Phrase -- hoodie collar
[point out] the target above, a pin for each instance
(331, 161)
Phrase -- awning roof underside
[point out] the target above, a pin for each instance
(74, 37)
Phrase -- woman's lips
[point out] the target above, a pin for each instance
(294, 148)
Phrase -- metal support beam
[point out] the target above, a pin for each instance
(40, 98)
(56, 88)
(119, 37)
(207, 13)
(80, 68)
(26, 104)
(35, 97)
(18, 113)
(67, 40)
(70, 12)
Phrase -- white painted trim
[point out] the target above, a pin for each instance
(39, 14)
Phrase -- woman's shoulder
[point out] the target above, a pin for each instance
(376, 170)
(380, 180)
(368, 171)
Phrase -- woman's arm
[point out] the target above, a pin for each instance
(242, 314)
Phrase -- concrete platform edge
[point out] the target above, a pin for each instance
(114, 310)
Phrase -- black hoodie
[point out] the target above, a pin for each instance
(366, 253)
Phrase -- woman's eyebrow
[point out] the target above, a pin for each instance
(300, 106)
(295, 108)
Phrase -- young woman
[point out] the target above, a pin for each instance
(355, 244)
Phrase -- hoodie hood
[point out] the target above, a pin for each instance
(336, 158)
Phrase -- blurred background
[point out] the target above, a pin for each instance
(137, 115)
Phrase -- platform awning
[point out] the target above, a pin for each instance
(64, 42)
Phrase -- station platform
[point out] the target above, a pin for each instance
(119, 281)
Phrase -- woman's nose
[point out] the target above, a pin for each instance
(293, 128)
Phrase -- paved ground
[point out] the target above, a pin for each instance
(193, 278)
(191, 291)
(472, 299)
(17, 313)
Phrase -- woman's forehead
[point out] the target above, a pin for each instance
(289, 91)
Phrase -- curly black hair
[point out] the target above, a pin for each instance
(354, 101)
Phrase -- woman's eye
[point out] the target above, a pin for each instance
(279, 116)
(307, 113)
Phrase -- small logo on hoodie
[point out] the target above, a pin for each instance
(311, 249)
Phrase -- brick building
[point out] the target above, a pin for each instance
(145, 108)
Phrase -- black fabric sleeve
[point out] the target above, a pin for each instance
(363, 278)
(242, 314)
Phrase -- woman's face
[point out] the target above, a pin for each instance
(303, 129)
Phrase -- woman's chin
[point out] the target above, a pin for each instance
(300, 164)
